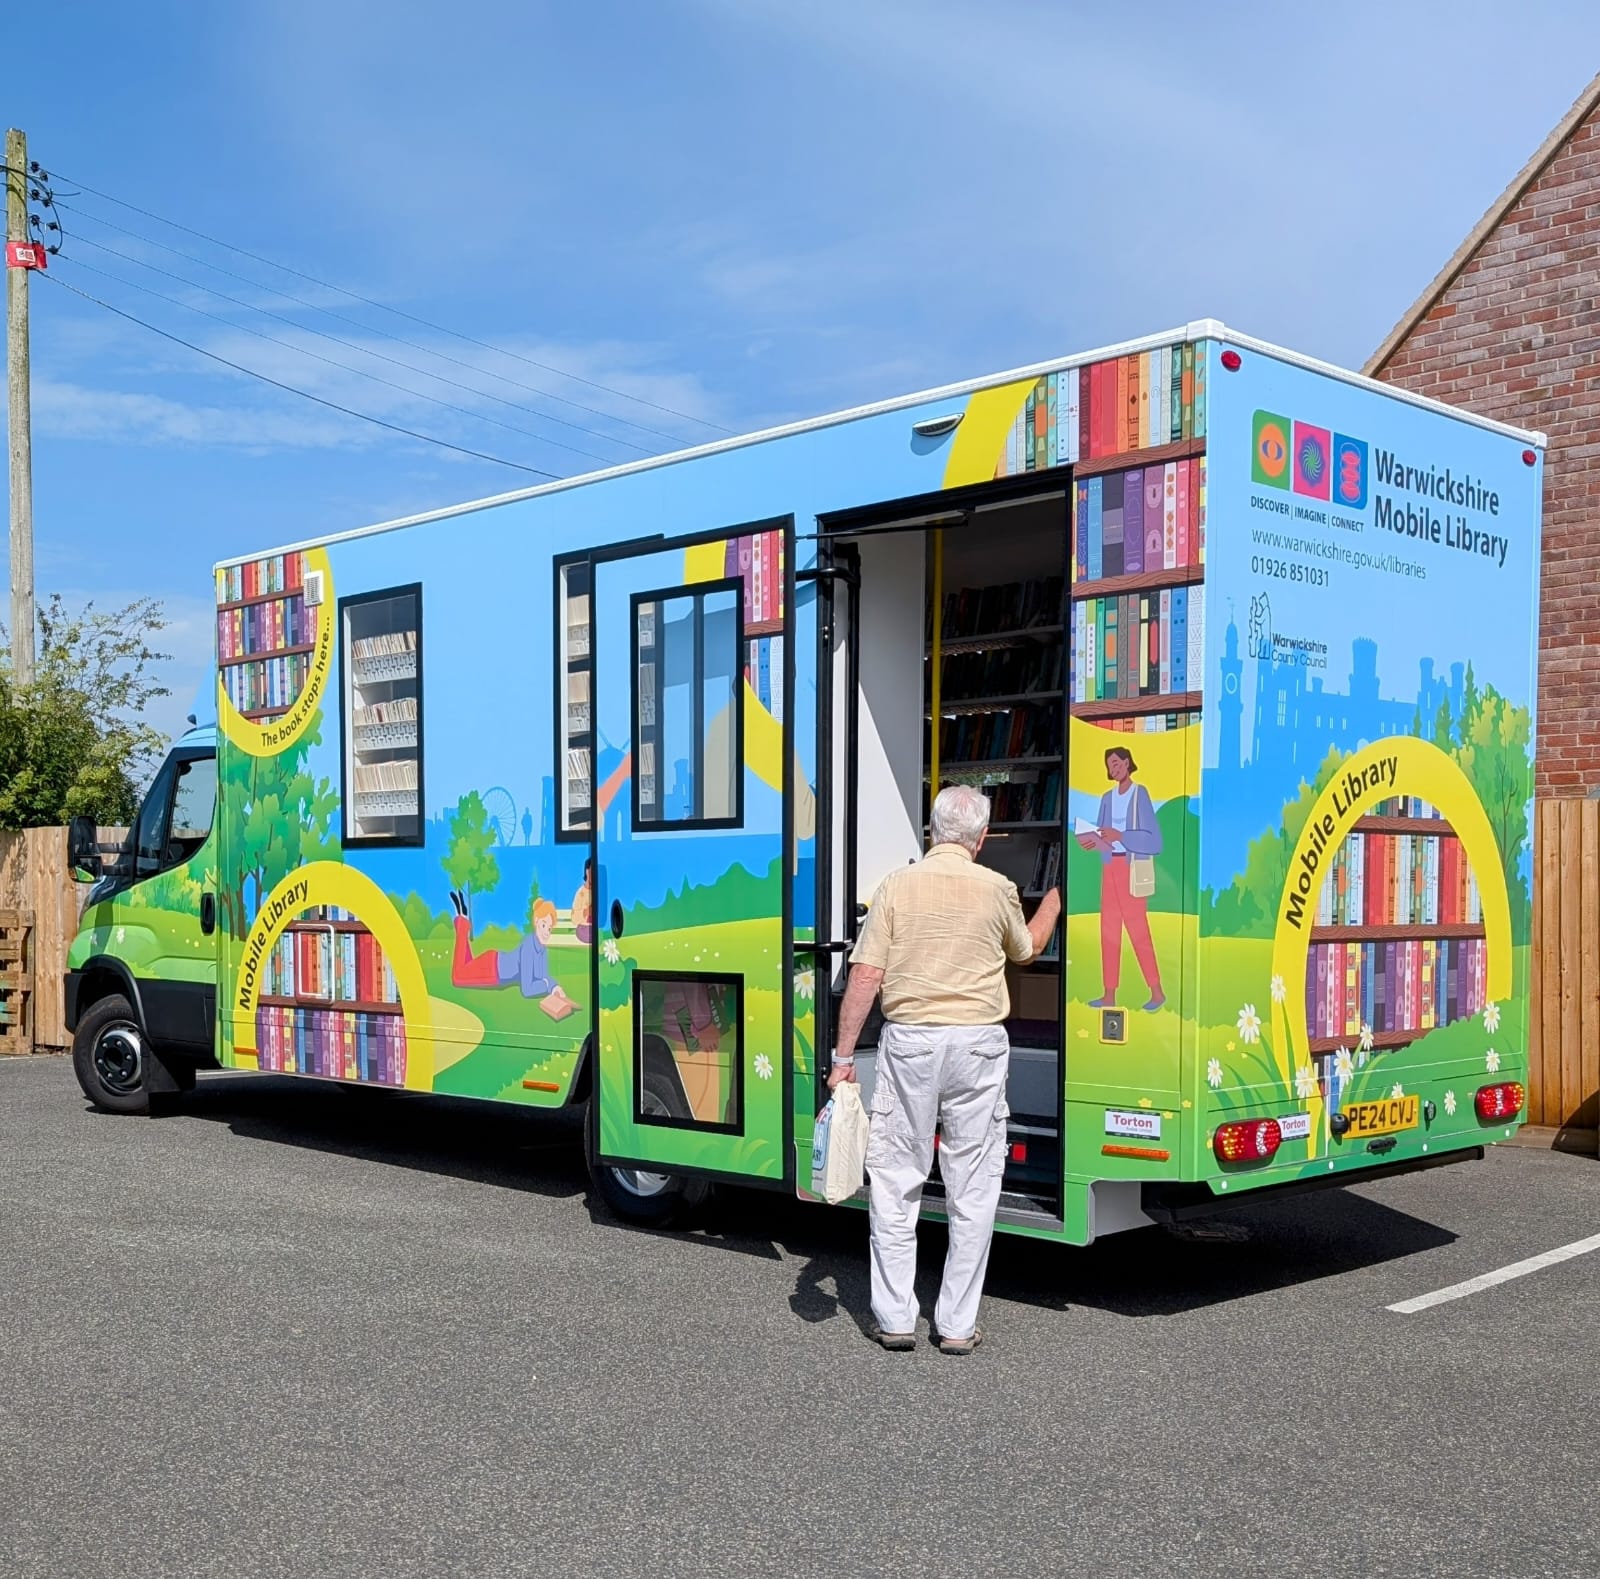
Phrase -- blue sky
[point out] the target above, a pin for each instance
(740, 210)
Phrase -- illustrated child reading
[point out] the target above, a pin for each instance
(527, 965)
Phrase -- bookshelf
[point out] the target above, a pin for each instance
(381, 640)
(329, 1004)
(266, 632)
(1398, 946)
(575, 699)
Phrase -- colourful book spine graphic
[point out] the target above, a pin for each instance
(1169, 516)
(1067, 434)
(1096, 541)
(1085, 414)
(1136, 397)
(1180, 638)
(1183, 513)
(1202, 355)
(1133, 522)
(1153, 531)
(1111, 504)
(1175, 386)
(1053, 406)
(1080, 532)
(1196, 615)
(1164, 678)
(1187, 428)
(1200, 509)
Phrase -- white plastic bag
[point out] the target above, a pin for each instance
(839, 1150)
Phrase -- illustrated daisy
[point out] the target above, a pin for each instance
(1279, 991)
(1450, 1103)
(610, 951)
(1305, 1082)
(763, 1067)
(1249, 1023)
(1365, 1043)
(1491, 1017)
(1214, 1073)
(805, 983)
(1397, 1090)
(1491, 1061)
(1343, 1064)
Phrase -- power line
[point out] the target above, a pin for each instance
(333, 361)
(384, 334)
(368, 301)
(350, 345)
(304, 394)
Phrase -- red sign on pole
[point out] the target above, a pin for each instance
(25, 255)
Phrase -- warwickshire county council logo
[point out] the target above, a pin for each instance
(1310, 460)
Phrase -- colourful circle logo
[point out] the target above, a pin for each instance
(1312, 459)
(1272, 449)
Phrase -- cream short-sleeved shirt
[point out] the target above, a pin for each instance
(941, 931)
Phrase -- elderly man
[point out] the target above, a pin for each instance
(936, 941)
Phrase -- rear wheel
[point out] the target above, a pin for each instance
(110, 1057)
(641, 1196)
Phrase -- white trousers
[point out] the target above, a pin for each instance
(955, 1077)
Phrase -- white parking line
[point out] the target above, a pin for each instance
(1474, 1285)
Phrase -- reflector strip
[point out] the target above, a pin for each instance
(541, 1085)
(1149, 1153)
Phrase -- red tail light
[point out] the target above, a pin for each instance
(1254, 1140)
(1501, 1101)
(1019, 1151)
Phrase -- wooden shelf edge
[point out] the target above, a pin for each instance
(1137, 706)
(1139, 581)
(240, 660)
(1437, 826)
(1440, 930)
(259, 598)
(1129, 460)
(1385, 1041)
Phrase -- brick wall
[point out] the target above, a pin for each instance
(1516, 335)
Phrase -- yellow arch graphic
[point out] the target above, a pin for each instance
(979, 441)
(267, 737)
(1401, 766)
(333, 883)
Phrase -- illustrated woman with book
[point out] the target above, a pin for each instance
(1128, 839)
(527, 965)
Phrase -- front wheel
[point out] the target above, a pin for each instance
(654, 1200)
(109, 1055)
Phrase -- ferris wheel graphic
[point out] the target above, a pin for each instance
(501, 811)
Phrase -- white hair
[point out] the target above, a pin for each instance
(960, 816)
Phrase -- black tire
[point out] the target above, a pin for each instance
(110, 1057)
(653, 1200)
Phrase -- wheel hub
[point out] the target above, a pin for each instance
(119, 1058)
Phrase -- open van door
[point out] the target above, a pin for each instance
(692, 776)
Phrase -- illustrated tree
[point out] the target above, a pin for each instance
(1441, 725)
(280, 818)
(1471, 701)
(1494, 756)
(469, 860)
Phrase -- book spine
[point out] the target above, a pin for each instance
(1096, 541)
(1133, 522)
(1200, 509)
(1180, 638)
(1169, 517)
(1085, 414)
(1080, 531)
(1183, 514)
(1202, 355)
(1133, 436)
(1196, 615)
(1186, 427)
(1068, 438)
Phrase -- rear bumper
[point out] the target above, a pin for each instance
(1176, 1203)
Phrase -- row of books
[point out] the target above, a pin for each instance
(1409, 985)
(1148, 723)
(1147, 519)
(399, 710)
(1406, 806)
(335, 1043)
(264, 627)
(578, 777)
(1046, 867)
(1000, 671)
(394, 644)
(758, 561)
(1138, 644)
(1131, 402)
(1399, 879)
(763, 670)
(260, 577)
(1004, 606)
(266, 685)
(1023, 802)
(1016, 732)
(386, 777)
(345, 967)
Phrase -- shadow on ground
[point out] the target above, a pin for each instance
(1245, 1251)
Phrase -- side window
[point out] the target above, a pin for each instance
(380, 649)
(688, 708)
(150, 831)
(194, 803)
(574, 712)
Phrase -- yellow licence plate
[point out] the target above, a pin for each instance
(1381, 1118)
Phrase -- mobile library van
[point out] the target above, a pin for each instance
(576, 795)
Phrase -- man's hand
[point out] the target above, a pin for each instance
(1110, 835)
(1089, 841)
(842, 1074)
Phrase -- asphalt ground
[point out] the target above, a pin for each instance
(289, 1329)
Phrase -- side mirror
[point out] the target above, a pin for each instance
(83, 849)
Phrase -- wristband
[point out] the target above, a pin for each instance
(844, 1058)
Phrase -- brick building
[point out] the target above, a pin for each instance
(1510, 328)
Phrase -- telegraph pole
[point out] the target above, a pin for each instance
(20, 414)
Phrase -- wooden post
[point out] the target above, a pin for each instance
(21, 417)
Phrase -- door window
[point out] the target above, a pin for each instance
(686, 1072)
(194, 801)
(688, 700)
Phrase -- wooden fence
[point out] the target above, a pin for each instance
(37, 888)
(1564, 1038)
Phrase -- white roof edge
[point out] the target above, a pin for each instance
(1196, 329)
(1529, 436)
